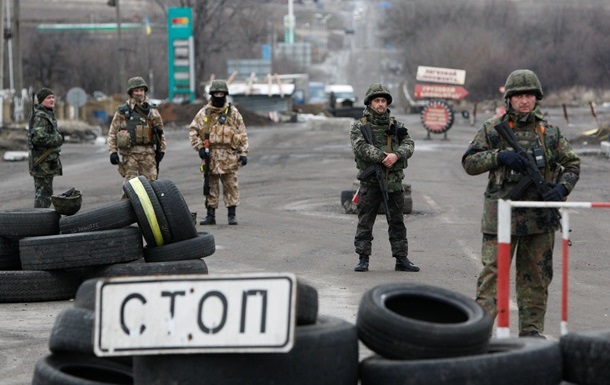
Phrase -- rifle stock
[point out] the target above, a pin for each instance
(206, 171)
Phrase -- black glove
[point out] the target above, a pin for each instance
(242, 160)
(159, 156)
(556, 194)
(512, 160)
(114, 158)
(202, 153)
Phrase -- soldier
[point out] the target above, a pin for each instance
(228, 149)
(136, 134)
(45, 142)
(390, 148)
(533, 230)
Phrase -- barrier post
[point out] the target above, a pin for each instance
(503, 278)
(565, 245)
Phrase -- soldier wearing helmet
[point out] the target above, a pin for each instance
(533, 230)
(136, 141)
(226, 150)
(380, 142)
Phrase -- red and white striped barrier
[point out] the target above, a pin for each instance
(504, 225)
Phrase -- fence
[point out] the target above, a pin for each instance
(504, 256)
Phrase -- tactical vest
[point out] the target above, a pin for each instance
(138, 130)
(380, 141)
(222, 135)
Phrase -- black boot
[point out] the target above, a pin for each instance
(232, 216)
(363, 263)
(210, 218)
(403, 264)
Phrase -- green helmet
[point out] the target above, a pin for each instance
(136, 82)
(219, 86)
(376, 90)
(67, 205)
(521, 81)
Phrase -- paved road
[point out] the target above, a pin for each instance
(291, 221)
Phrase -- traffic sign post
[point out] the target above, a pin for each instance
(76, 97)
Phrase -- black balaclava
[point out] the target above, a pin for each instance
(219, 101)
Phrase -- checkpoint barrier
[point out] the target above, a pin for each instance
(504, 257)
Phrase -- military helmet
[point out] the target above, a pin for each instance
(136, 82)
(67, 204)
(522, 81)
(219, 86)
(377, 90)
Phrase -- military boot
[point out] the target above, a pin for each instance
(403, 264)
(210, 218)
(232, 216)
(363, 263)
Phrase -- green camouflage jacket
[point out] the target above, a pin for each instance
(562, 166)
(44, 135)
(367, 154)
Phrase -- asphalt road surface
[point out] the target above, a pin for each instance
(291, 220)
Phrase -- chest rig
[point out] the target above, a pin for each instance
(138, 129)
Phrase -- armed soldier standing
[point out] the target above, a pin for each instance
(136, 134)
(379, 140)
(45, 142)
(228, 149)
(533, 229)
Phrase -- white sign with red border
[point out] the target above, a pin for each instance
(441, 75)
(179, 314)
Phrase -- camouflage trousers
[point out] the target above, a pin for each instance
(134, 165)
(533, 256)
(369, 201)
(43, 186)
(230, 190)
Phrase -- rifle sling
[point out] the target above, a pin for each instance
(43, 156)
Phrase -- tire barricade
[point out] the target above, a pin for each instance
(45, 256)
(419, 334)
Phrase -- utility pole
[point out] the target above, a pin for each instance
(18, 60)
(120, 58)
(2, 26)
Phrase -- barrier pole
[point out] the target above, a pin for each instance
(565, 246)
(503, 275)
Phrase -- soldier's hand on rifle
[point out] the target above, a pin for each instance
(114, 158)
(556, 194)
(203, 154)
(390, 159)
(512, 160)
(242, 160)
(159, 156)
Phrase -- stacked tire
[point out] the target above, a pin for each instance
(422, 334)
(45, 256)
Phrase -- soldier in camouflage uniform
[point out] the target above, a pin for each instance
(533, 229)
(45, 142)
(228, 150)
(136, 134)
(393, 158)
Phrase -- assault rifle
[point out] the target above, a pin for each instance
(206, 166)
(532, 175)
(376, 168)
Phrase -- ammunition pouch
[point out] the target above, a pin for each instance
(123, 139)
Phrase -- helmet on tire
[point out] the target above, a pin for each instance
(377, 90)
(219, 86)
(522, 81)
(67, 204)
(134, 83)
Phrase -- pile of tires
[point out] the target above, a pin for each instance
(45, 256)
(349, 207)
(325, 351)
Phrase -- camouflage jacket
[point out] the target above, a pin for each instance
(228, 137)
(562, 165)
(119, 122)
(43, 136)
(368, 154)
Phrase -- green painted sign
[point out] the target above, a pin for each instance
(180, 54)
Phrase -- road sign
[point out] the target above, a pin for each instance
(184, 314)
(440, 75)
(77, 97)
(437, 117)
(440, 91)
